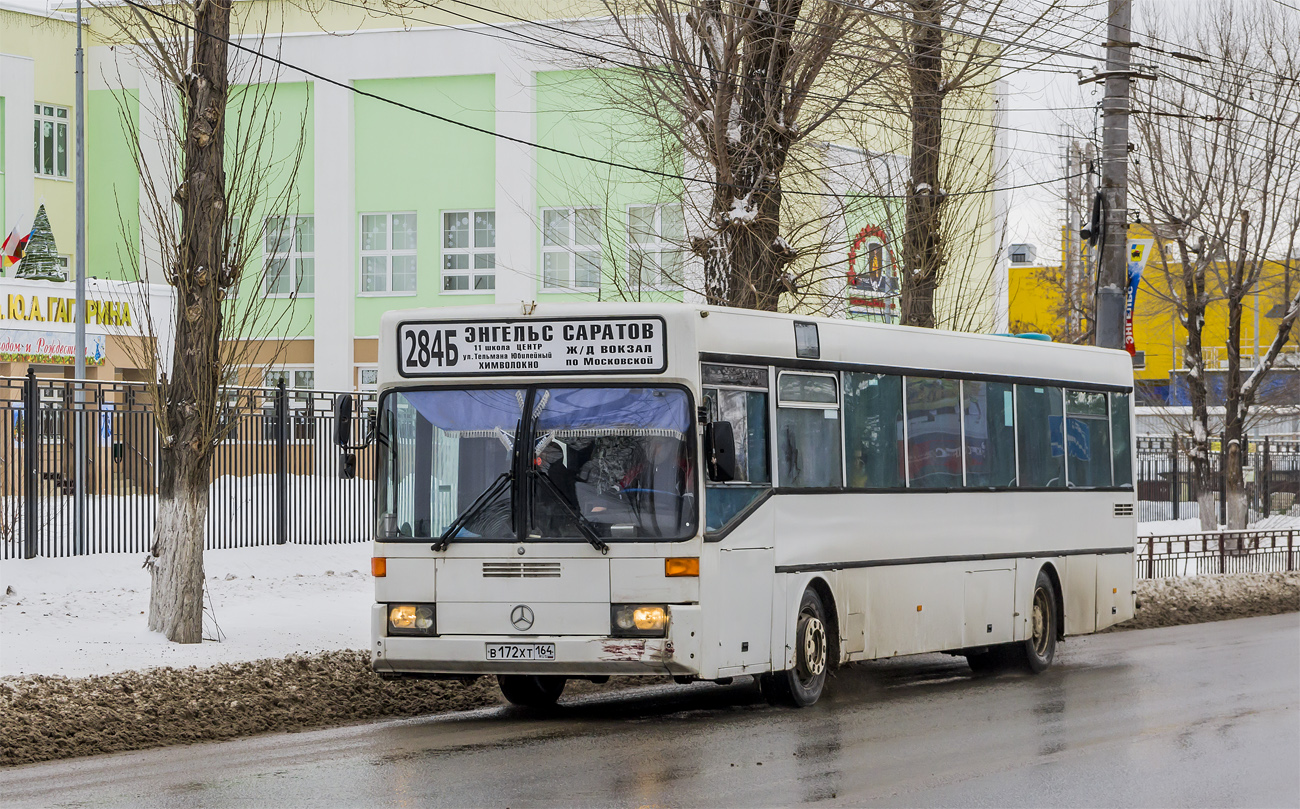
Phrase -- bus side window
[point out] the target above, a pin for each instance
(1119, 432)
(990, 434)
(808, 440)
(746, 410)
(873, 430)
(1087, 439)
(1040, 433)
(934, 459)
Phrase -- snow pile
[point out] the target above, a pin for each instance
(1199, 599)
(84, 615)
(44, 718)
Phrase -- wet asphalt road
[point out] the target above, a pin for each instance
(1205, 715)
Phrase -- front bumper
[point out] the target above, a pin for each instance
(575, 655)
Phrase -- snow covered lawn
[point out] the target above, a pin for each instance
(87, 615)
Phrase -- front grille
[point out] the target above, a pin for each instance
(1123, 509)
(521, 570)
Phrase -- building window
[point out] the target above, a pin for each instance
(367, 378)
(289, 264)
(51, 150)
(469, 245)
(655, 257)
(301, 379)
(571, 249)
(388, 252)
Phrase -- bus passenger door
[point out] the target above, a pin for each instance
(743, 605)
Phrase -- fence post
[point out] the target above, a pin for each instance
(1223, 487)
(1173, 480)
(1265, 473)
(31, 462)
(1151, 553)
(1289, 564)
(281, 463)
(1221, 560)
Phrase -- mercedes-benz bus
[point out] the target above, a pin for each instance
(584, 490)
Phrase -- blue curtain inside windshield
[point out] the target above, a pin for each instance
(636, 409)
(468, 411)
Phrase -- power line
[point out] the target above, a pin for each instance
(520, 141)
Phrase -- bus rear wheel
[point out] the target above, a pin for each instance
(802, 685)
(531, 690)
(1039, 649)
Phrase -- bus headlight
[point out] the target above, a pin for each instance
(638, 620)
(411, 619)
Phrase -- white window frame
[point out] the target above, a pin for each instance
(657, 247)
(572, 249)
(472, 251)
(363, 386)
(388, 253)
(62, 125)
(292, 257)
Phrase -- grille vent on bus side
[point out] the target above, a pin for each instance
(1123, 509)
(521, 570)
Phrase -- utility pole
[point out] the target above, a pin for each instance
(1068, 263)
(1112, 265)
(79, 357)
(1114, 177)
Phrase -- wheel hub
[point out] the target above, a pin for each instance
(812, 651)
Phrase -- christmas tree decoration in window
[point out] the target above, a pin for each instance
(41, 258)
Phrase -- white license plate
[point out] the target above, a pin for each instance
(521, 651)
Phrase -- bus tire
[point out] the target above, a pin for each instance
(802, 685)
(531, 690)
(1039, 648)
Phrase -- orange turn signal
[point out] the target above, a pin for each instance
(684, 566)
(378, 567)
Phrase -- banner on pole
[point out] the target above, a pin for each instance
(1139, 251)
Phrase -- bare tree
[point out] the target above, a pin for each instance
(956, 50)
(216, 175)
(1220, 178)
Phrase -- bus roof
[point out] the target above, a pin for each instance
(741, 335)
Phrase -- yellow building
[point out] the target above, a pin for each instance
(1037, 303)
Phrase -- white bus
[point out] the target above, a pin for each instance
(595, 489)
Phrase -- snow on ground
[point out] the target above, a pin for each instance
(87, 615)
(1164, 528)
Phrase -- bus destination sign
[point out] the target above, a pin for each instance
(532, 346)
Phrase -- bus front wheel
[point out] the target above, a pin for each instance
(802, 685)
(531, 690)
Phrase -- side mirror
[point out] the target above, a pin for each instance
(720, 451)
(348, 466)
(343, 419)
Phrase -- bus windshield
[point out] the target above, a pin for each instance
(615, 462)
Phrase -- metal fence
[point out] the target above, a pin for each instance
(1166, 486)
(1161, 557)
(274, 476)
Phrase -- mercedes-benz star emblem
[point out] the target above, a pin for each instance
(522, 617)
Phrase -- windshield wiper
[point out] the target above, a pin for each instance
(499, 485)
(584, 525)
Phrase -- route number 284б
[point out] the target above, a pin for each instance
(431, 347)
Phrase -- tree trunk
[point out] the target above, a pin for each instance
(176, 597)
(1234, 408)
(189, 405)
(1193, 312)
(923, 249)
